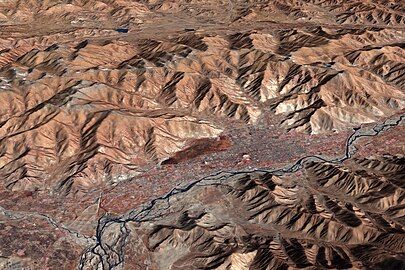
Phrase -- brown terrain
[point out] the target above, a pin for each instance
(202, 134)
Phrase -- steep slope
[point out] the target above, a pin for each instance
(108, 104)
(84, 110)
(322, 216)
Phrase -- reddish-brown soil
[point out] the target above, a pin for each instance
(108, 105)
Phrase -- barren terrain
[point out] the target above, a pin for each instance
(163, 134)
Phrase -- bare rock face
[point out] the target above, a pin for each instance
(327, 216)
(106, 105)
